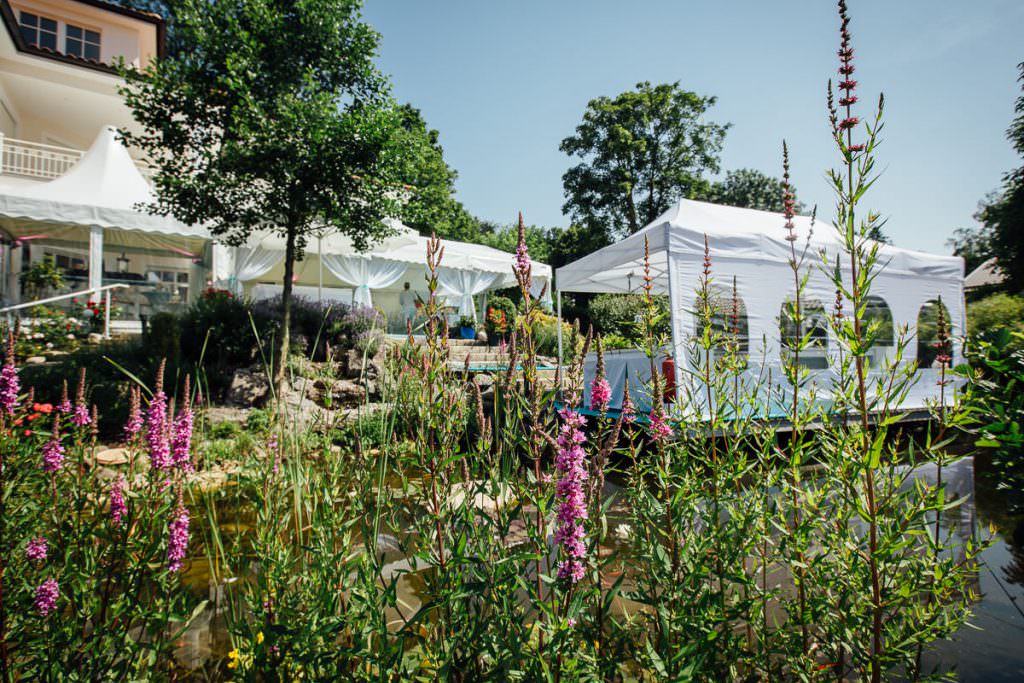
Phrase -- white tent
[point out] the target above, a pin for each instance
(467, 270)
(102, 192)
(749, 247)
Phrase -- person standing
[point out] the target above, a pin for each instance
(407, 300)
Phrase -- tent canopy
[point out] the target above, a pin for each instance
(732, 234)
(103, 189)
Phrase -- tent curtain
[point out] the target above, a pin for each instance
(252, 262)
(464, 285)
(538, 286)
(365, 274)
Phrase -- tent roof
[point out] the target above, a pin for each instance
(104, 188)
(732, 234)
(333, 242)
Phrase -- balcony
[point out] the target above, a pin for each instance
(40, 161)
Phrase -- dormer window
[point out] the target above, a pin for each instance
(47, 33)
(81, 42)
(39, 31)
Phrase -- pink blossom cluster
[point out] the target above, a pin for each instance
(36, 549)
(177, 538)
(661, 430)
(572, 507)
(46, 597)
(53, 453)
(600, 394)
(135, 422)
(118, 508)
(10, 385)
(181, 439)
(156, 432)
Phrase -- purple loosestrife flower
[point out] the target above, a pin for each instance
(177, 538)
(135, 423)
(661, 430)
(572, 507)
(600, 390)
(65, 404)
(181, 434)
(628, 409)
(156, 426)
(36, 549)
(53, 450)
(9, 383)
(81, 414)
(118, 508)
(522, 264)
(46, 597)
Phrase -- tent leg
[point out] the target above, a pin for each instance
(558, 323)
(106, 317)
(320, 269)
(95, 260)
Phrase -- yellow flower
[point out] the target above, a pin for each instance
(233, 657)
(259, 638)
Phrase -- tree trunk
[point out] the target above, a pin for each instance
(281, 357)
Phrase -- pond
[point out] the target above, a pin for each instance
(990, 649)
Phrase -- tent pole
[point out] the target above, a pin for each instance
(95, 260)
(676, 352)
(558, 323)
(320, 269)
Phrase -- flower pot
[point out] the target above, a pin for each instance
(467, 332)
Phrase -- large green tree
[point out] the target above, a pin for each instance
(750, 189)
(638, 153)
(1004, 217)
(271, 115)
(429, 181)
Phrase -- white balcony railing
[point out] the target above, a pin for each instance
(42, 161)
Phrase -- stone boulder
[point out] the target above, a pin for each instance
(249, 387)
(355, 365)
(342, 393)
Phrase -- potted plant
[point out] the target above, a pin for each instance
(501, 314)
(467, 327)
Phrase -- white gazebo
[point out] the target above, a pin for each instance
(748, 248)
(95, 211)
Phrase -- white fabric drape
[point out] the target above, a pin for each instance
(365, 274)
(541, 285)
(252, 262)
(463, 285)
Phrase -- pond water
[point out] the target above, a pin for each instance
(989, 649)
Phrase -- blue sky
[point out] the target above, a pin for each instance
(504, 82)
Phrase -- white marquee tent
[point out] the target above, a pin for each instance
(750, 247)
(95, 202)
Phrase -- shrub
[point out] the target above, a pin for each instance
(163, 337)
(501, 316)
(216, 330)
(545, 334)
(617, 314)
(995, 312)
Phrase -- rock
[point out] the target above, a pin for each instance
(94, 338)
(357, 365)
(113, 456)
(483, 501)
(248, 388)
(343, 393)
(35, 360)
(481, 336)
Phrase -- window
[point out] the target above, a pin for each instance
(813, 327)
(928, 344)
(38, 31)
(730, 329)
(879, 327)
(173, 281)
(81, 42)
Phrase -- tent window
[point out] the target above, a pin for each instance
(813, 326)
(730, 328)
(878, 322)
(38, 31)
(928, 345)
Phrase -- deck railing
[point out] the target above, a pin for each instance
(105, 290)
(41, 161)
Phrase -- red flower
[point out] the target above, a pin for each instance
(846, 69)
(849, 123)
(847, 101)
(28, 432)
(856, 148)
(848, 84)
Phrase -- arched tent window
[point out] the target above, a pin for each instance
(730, 328)
(928, 344)
(878, 322)
(814, 326)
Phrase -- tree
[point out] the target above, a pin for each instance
(640, 152)
(271, 115)
(976, 244)
(1005, 216)
(506, 238)
(431, 206)
(750, 189)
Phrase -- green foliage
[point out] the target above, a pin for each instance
(163, 336)
(995, 312)
(431, 206)
(505, 238)
(618, 314)
(1004, 217)
(750, 189)
(640, 152)
(217, 331)
(274, 116)
(40, 278)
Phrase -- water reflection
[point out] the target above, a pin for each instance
(990, 649)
